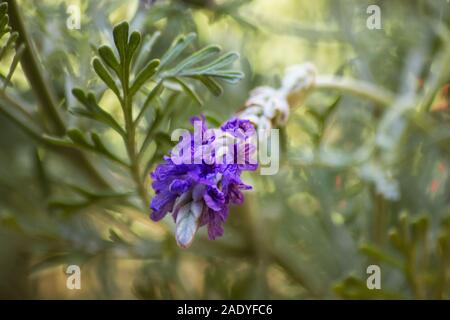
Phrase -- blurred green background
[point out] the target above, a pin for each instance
(358, 184)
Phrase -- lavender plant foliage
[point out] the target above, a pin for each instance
(202, 177)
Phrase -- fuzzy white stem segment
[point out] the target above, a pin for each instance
(269, 108)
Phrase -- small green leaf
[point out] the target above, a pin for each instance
(212, 85)
(77, 136)
(146, 73)
(105, 76)
(145, 50)
(109, 59)
(100, 147)
(57, 141)
(227, 76)
(217, 64)
(91, 98)
(156, 91)
(98, 144)
(120, 34)
(79, 95)
(135, 41)
(176, 48)
(93, 111)
(197, 57)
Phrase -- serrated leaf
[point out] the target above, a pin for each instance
(146, 73)
(105, 76)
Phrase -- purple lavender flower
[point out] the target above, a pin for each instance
(199, 193)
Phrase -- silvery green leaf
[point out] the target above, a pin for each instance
(177, 47)
(187, 223)
(197, 57)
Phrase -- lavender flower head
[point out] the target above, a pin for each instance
(201, 177)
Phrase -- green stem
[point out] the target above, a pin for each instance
(359, 88)
(133, 156)
(130, 138)
(47, 103)
(33, 71)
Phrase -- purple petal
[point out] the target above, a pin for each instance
(214, 198)
(161, 204)
(179, 186)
